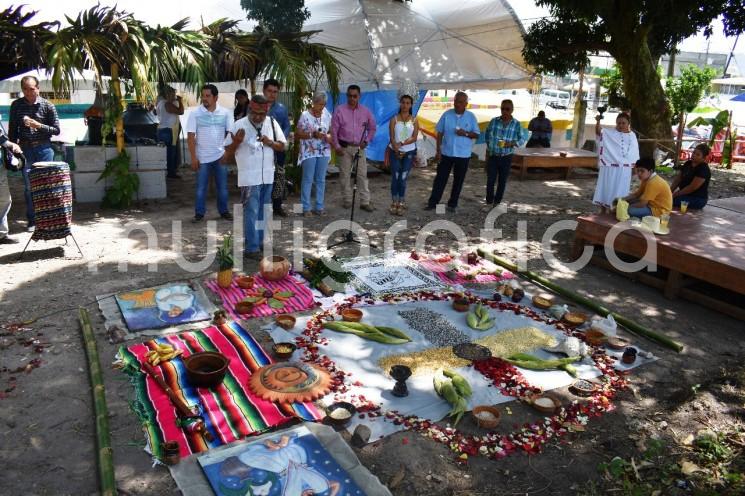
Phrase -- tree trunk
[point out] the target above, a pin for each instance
(115, 85)
(650, 112)
(679, 138)
(253, 86)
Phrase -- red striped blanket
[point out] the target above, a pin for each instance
(458, 271)
(230, 411)
(302, 300)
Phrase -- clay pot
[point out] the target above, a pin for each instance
(284, 321)
(283, 351)
(274, 268)
(460, 305)
(351, 315)
(225, 278)
(206, 369)
(595, 338)
(244, 307)
(542, 301)
(245, 282)
(340, 413)
(486, 421)
(629, 355)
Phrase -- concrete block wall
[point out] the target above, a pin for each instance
(148, 162)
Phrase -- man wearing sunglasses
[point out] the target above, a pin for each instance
(352, 128)
(503, 135)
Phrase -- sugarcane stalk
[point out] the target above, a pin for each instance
(630, 325)
(103, 439)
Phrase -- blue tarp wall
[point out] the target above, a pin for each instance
(384, 106)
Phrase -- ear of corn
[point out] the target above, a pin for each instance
(367, 332)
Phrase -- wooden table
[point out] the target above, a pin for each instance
(706, 245)
(551, 158)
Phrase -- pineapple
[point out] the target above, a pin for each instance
(225, 262)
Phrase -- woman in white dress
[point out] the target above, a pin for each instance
(617, 155)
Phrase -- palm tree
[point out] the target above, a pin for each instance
(21, 45)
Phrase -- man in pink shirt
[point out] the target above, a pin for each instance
(352, 128)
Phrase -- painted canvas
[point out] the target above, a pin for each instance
(291, 463)
(381, 275)
(163, 306)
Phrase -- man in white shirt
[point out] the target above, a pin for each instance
(206, 128)
(254, 140)
(168, 109)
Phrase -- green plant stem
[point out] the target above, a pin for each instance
(103, 439)
(592, 305)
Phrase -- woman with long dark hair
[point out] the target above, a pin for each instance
(691, 185)
(241, 105)
(403, 130)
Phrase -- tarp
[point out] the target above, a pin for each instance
(82, 81)
(434, 43)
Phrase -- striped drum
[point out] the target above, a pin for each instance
(51, 192)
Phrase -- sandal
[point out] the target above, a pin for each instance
(393, 209)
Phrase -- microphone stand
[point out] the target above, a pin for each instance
(349, 237)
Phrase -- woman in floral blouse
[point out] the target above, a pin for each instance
(313, 130)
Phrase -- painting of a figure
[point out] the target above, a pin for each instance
(289, 464)
(162, 306)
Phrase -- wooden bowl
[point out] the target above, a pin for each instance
(460, 305)
(543, 301)
(283, 351)
(483, 419)
(340, 413)
(548, 410)
(351, 315)
(582, 387)
(617, 343)
(206, 369)
(244, 307)
(595, 337)
(285, 321)
(245, 282)
(574, 319)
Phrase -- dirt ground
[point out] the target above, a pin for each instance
(46, 414)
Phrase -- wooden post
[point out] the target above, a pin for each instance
(733, 144)
(679, 139)
(115, 85)
(580, 108)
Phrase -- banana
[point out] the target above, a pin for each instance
(167, 356)
(155, 361)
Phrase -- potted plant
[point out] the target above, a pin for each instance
(225, 262)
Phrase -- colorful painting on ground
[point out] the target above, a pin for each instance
(162, 306)
(292, 463)
(378, 275)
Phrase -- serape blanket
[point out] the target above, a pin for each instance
(456, 270)
(230, 411)
(301, 300)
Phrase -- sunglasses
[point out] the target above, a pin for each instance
(352, 96)
(505, 108)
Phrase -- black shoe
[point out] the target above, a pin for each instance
(227, 216)
(280, 212)
(367, 207)
(253, 255)
(197, 218)
(430, 207)
(6, 240)
(450, 210)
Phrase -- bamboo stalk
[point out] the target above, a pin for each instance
(103, 439)
(592, 305)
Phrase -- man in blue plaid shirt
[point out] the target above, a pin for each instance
(503, 135)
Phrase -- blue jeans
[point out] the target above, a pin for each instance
(400, 169)
(639, 211)
(221, 183)
(254, 199)
(33, 154)
(166, 136)
(497, 170)
(314, 172)
(694, 202)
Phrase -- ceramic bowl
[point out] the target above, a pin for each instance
(351, 315)
(340, 413)
(206, 369)
(617, 343)
(245, 282)
(460, 305)
(283, 351)
(284, 321)
(483, 419)
(543, 301)
(595, 337)
(582, 387)
(549, 410)
(574, 319)
(244, 307)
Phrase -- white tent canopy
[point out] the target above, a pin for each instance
(434, 43)
(82, 81)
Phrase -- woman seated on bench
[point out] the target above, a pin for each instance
(692, 182)
(653, 196)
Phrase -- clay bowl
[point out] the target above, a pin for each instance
(244, 307)
(340, 413)
(284, 321)
(283, 351)
(245, 282)
(595, 337)
(547, 409)
(483, 419)
(574, 319)
(582, 387)
(543, 301)
(274, 268)
(351, 315)
(460, 305)
(206, 369)
(617, 343)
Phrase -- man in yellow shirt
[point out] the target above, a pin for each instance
(654, 196)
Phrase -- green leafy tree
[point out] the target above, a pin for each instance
(613, 82)
(636, 33)
(277, 16)
(21, 43)
(684, 92)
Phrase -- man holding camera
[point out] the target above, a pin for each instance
(254, 140)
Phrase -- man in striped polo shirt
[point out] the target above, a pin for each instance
(206, 128)
(33, 122)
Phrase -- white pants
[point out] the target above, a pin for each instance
(5, 202)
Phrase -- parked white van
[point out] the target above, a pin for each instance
(554, 98)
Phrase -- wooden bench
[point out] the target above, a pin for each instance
(553, 158)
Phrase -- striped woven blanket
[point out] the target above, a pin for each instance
(457, 271)
(230, 411)
(302, 299)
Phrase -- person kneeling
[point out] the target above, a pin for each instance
(653, 196)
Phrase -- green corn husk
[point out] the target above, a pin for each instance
(460, 407)
(392, 331)
(449, 392)
(569, 369)
(460, 383)
(341, 327)
(359, 326)
(438, 381)
(537, 362)
(383, 338)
